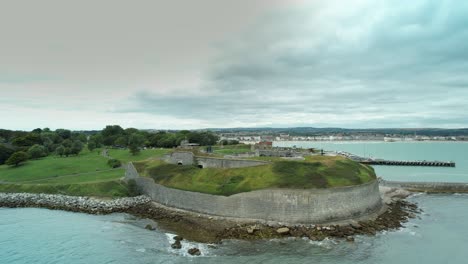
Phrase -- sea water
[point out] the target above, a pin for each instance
(438, 235)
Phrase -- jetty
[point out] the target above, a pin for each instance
(371, 161)
(428, 187)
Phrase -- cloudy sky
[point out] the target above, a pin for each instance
(244, 63)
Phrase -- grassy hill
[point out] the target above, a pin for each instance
(314, 172)
(86, 174)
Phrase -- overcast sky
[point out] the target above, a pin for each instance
(245, 63)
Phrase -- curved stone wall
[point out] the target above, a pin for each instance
(281, 205)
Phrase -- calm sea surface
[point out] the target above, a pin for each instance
(439, 236)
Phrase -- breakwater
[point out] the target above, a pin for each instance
(371, 161)
(72, 203)
(429, 187)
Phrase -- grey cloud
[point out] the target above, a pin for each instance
(410, 59)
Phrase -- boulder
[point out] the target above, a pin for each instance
(176, 245)
(282, 231)
(194, 252)
(149, 227)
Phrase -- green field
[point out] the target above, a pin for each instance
(85, 174)
(314, 172)
(124, 155)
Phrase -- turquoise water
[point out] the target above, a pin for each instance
(439, 236)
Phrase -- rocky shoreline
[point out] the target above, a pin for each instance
(72, 203)
(208, 229)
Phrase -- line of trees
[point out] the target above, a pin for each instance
(18, 146)
(134, 139)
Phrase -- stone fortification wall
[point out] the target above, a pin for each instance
(281, 205)
(442, 187)
(187, 158)
(180, 157)
(208, 162)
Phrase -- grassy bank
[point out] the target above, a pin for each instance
(114, 188)
(314, 172)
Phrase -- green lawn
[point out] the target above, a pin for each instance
(54, 166)
(231, 149)
(86, 174)
(314, 172)
(91, 177)
(124, 155)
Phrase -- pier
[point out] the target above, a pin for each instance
(428, 187)
(409, 163)
(370, 161)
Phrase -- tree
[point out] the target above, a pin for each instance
(121, 141)
(110, 134)
(28, 140)
(91, 145)
(60, 150)
(17, 158)
(76, 147)
(135, 142)
(37, 151)
(67, 143)
(5, 153)
(64, 133)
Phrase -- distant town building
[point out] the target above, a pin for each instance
(263, 145)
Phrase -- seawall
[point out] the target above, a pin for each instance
(430, 187)
(282, 205)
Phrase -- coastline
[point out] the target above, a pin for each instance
(212, 229)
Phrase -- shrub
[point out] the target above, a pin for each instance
(114, 163)
(132, 188)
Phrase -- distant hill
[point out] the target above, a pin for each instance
(334, 130)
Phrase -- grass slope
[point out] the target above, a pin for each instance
(314, 172)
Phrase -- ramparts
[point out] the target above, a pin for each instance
(280, 205)
(187, 158)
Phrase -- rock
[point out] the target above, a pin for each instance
(252, 229)
(194, 252)
(176, 245)
(350, 239)
(178, 238)
(282, 231)
(149, 227)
